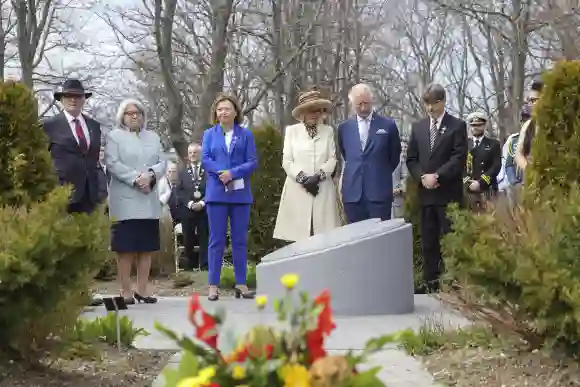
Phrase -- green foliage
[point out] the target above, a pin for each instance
(433, 336)
(105, 329)
(26, 171)
(557, 142)
(228, 280)
(267, 184)
(412, 214)
(47, 259)
(520, 269)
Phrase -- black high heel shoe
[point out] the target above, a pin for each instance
(214, 297)
(247, 295)
(146, 300)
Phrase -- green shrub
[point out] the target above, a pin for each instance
(412, 214)
(519, 270)
(26, 171)
(557, 142)
(228, 279)
(47, 259)
(105, 329)
(267, 184)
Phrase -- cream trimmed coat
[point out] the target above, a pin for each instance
(298, 209)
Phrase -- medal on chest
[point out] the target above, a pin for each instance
(196, 179)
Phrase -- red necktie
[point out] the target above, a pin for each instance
(83, 144)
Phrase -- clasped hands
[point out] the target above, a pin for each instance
(310, 183)
(143, 182)
(225, 177)
(429, 180)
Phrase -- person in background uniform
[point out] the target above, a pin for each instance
(190, 196)
(400, 184)
(483, 163)
(528, 131)
(513, 176)
(371, 149)
(74, 145)
(436, 159)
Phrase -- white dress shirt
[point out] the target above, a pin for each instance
(364, 125)
(198, 166)
(71, 123)
(439, 119)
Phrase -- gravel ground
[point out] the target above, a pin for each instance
(112, 369)
(501, 368)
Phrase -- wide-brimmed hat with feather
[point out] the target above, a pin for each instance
(310, 100)
(71, 87)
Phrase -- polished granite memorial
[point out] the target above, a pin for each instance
(367, 267)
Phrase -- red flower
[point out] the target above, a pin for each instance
(206, 330)
(315, 338)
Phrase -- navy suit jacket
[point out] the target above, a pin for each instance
(80, 169)
(369, 171)
(241, 160)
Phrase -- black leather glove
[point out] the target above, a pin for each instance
(310, 184)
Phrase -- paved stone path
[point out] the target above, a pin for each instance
(399, 369)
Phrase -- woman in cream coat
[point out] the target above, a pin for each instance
(308, 204)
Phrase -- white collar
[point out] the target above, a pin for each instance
(368, 118)
(439, 119)
(70, 118)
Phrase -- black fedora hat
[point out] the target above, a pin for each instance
(71, 87)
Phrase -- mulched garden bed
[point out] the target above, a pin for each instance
(133, 367)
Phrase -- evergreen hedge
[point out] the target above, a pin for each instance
(26, 171)
(267, 183)
(556, 146)
(48, 257)
(412, 214)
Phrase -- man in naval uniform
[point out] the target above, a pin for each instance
(483, 163)
(190, 197)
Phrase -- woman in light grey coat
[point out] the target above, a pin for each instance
(135, 162)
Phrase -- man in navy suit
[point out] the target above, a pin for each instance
(370, 147)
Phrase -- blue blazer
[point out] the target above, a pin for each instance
(369, 170)
(241, 161)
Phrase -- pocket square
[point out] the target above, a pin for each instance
(381, 131)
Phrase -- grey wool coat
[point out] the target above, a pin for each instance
(127, 155)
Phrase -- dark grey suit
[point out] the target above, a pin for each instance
(73, 166)
(447, 158)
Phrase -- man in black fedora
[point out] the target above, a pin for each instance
(75, 144)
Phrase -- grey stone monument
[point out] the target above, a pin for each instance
(367, 267)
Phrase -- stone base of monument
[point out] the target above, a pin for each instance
(367, 267)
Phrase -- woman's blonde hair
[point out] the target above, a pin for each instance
(234, 101)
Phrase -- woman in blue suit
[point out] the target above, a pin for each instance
(229, 158)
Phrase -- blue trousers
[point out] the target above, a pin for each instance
(365, 209)
(218, 215)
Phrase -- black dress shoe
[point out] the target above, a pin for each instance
(146, 300)
(245, 295)
(129, 300)
(213, 297)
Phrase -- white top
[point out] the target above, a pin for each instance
(228, 136)
(520, 159)
(73, 128)
(164, 190)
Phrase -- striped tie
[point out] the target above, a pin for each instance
(433, 134)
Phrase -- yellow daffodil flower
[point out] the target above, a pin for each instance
(238, 372)
(202, 379)
(289, 280)
(261, 301)
(294, 375)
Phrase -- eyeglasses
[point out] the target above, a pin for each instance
(133, 114)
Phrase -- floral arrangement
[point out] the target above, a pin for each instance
(293, 356)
